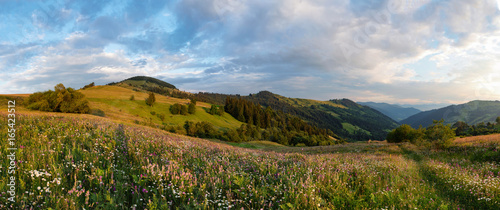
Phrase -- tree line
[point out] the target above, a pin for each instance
(464, 129)
(278, 126)
(439, 134)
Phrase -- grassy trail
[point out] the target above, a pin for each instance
(451, 185)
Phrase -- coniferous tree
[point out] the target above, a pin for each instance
(151, 99)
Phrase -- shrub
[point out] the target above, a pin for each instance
(441, 135)
(161, 116)
(175, 109)
(184, 110)
(132, 98)
(62, 99)
(98, 112)
(191, 108)
(216, 110)
(403, 133)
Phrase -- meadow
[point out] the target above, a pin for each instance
(69, 161)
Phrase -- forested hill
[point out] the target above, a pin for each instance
(471, 113)
(150, 84)
(344, 117)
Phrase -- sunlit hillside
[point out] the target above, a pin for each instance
(116, 104)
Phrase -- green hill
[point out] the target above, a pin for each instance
(143, 80)
(150, 84)
(115, 102)
(471, 113)
(395, 112)
(344, 117)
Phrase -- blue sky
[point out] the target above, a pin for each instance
(395, 51)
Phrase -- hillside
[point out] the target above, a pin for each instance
(393, 111)
(344, 117)
(85, 161)
(115, 102)
(472, 113)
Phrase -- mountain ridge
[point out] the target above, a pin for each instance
(472, 112)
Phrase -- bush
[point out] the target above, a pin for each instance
(98, 112)
(161, 116)
(62, 99)
(191, 108)
(152, 113)
(132, 98)
(216, 110)
(184, 110)
(404, 133)
(441, 135)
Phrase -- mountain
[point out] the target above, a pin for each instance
(344, 117)
(472, 113)
(425, 107)
(393, 111)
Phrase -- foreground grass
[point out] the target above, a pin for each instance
(75, 161)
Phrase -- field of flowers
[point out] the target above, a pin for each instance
(75, 161)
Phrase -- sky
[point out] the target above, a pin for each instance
(394, 51)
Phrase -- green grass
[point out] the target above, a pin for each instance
(260, 145)
(69, 161)
(351, 128)
(115, 103)
(299, 102)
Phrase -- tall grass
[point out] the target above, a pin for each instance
(74, 162)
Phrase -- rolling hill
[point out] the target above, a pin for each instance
(472, 113)
(393, 111)
(115, 102)
(344, 117)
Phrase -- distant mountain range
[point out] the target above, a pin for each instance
(425, 107)
(472, 113)
(396, 112)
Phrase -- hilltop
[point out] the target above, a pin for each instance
(471, 113)
(150, 84)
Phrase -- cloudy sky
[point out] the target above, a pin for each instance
(396, 51)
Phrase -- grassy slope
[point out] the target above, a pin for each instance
(300, 102)
(115, 102)
(95, 163)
